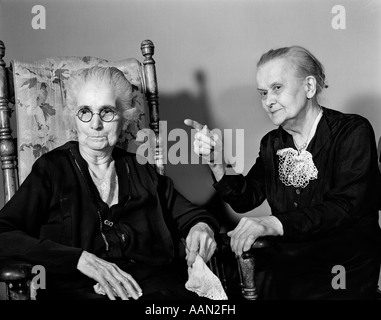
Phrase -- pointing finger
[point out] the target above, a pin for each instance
(194, 124)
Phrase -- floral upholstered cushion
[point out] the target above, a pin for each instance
(42, 116)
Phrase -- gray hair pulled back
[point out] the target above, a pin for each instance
(104, 76)
(303, 60)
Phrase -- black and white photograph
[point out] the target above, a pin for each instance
(234, 158)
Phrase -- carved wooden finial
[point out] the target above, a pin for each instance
(147, 48)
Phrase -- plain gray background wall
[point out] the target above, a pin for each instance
(206, 52)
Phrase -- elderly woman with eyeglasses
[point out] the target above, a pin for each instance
(96, 218)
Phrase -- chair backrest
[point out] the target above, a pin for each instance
(38, 91)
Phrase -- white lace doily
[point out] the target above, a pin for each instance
(296, 169)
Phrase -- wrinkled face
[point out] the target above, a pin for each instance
(283, 94)
(97, 134)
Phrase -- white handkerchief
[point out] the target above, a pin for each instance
(204, 282)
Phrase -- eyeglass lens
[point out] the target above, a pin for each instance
(86, 115)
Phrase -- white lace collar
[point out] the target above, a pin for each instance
(296, 167)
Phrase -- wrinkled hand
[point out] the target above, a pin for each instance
(200, 240)
(207, 144)
(111, 278)
(249, 229)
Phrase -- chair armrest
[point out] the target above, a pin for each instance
(246, 264)
(16, 275)
(263, 242)
(13, 270)
(260, 243)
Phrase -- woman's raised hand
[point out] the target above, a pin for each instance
(208, 145)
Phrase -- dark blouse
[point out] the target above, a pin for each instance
(58, 212)
(332, 221)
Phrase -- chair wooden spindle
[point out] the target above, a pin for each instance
(152, 97)
(7, 148)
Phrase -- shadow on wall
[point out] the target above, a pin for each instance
(193, 180)
(367, 105)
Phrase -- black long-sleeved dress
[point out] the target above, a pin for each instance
(333, 221)
(58, 212)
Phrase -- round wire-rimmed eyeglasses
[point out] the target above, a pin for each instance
(106, 114)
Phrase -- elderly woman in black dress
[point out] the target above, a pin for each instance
(318, 171)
